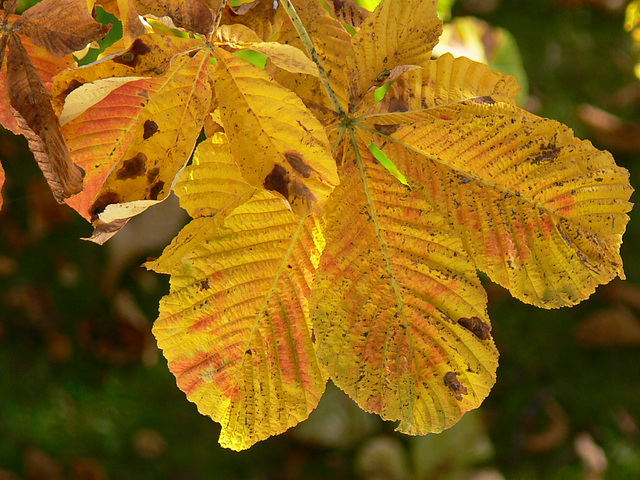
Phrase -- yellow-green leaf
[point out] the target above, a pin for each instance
(399, 313)
(278, 143)
(235, 327)
(541, 212)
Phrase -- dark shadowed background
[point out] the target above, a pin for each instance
(85, 394)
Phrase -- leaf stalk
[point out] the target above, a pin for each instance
(311, 50)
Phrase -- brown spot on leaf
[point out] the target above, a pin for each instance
(397, 105)
(152, 174)
(102, 202)
(451, 381)
(155, 190)
(299, 190)
(278, 181)
(132, 168)
(548, 153)
(73, 84)
(476, 326)
(204, 285)
(386, 129)
(296, 160)
(131, 57)
(485, 100)
(150, 127)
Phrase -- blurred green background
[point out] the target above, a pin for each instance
(85, 394)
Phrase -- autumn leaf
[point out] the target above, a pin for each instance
(520, 198)
(193, 15)
(348, 12)
(37, 121)
(125, 10)
(539, 211)
(277, 142)
(259, 16)
(60, 26)
(29, 109)
(343, 197)
(131, 120)
(392, 301)
(166, 132)
(235, 326)
(412, 29)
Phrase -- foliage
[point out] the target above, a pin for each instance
(632, 24)
(307, 258)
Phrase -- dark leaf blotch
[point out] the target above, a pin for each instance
(150, 127)
(278, 181)
(479, 328)
(155, 190)
(132, 168)
(296, 160)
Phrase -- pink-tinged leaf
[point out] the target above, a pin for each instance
(235, 327)
(398, 310)
(99, 137)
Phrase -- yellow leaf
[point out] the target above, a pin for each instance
(148, 56)
(258, 16)
(211, 186)
(397, 33)
(398, 311)
(332, 43)
(212, 183)
(449, 79)
(235, 327)
(541, 212)
(93, 147)
(167, 129)
(278, 143)
(283, 56)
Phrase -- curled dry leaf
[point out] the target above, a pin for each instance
(39, 122)
(192, 15)
(61, 26)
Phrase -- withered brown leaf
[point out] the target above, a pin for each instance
(61, 26)
(9, 7)
(191, 15)
(39, 123)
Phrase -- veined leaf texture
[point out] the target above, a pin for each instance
(306, 259)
